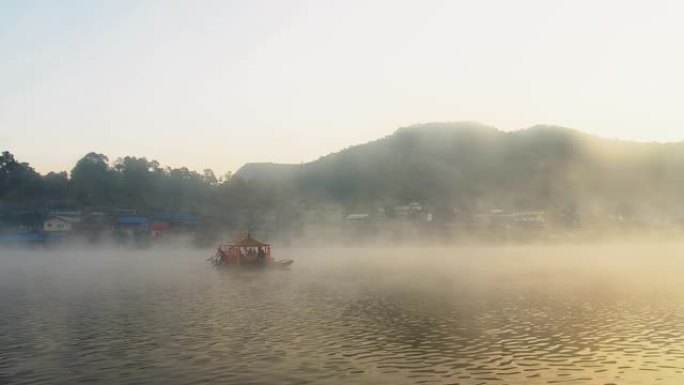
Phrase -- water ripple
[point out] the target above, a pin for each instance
(135, 320)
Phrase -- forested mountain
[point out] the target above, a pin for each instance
(475, 167)
(464, 166)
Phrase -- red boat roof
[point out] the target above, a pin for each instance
(248, 241)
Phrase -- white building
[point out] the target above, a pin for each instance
(357, 217)
(61, 224)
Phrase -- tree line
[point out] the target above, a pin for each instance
(95, 183)
(451, 167)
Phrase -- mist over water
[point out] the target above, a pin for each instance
(453, 218)
(599, 314)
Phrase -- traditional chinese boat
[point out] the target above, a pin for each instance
(247, 253)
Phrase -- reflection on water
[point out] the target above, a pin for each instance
(578, 315)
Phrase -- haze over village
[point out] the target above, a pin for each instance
(438, 182)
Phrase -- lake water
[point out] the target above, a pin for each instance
(601, 314)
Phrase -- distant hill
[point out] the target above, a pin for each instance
(476, 167)
(267, 171)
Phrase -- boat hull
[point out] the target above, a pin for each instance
(275, 265)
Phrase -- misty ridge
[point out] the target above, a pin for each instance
(445, 180)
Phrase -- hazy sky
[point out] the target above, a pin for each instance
(220, 83)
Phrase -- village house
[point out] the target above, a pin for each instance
(500, 219)
(178, 221)
(407, 210)
(357, 217)
(132, 222)
(94, 226)
(60, 223)
(131, 227)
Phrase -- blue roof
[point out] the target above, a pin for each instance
(180, 217)
(132, 220)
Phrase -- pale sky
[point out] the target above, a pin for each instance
(216, 84)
